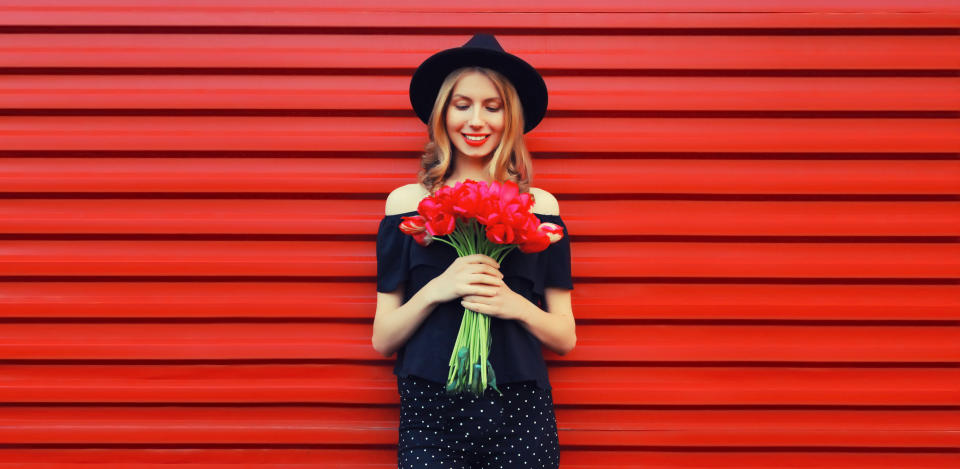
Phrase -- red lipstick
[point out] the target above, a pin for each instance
(475, 143)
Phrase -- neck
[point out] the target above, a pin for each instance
(469, 168)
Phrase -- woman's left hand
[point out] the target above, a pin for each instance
(504, 304)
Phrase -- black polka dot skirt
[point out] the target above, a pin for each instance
(516, 430)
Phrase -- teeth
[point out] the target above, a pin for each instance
(476, 139)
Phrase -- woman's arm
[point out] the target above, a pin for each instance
(395, 323)
(556, 329)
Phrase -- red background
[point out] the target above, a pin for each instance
(763, 197)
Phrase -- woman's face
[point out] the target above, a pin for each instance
(475, 116)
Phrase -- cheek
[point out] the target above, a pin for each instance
(497, 122)
(454, 119)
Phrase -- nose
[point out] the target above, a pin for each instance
(475, 120)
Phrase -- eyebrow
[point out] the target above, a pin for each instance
(458, 95)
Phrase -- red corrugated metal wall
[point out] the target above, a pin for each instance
(763, 197)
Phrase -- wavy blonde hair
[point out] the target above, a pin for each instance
(511, 160)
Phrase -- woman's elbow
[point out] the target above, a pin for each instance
(572, 345)
(571, 341)
(381, 348)
(567, 347)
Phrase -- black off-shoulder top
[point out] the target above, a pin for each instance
(516, 354)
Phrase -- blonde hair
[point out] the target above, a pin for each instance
(511, 160)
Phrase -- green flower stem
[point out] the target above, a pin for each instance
(454, 362)
(466, 235)
(470, 369)
(471, 229)
(478, 236)
(459, 251)
(457, 237)
(484, 353)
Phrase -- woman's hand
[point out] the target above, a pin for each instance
(475, 274)
(503, 303)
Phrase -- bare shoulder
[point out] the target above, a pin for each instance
(544, 202)
(405, 199)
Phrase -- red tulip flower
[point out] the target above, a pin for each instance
(416, 227)
(500, 233)
(552, 230)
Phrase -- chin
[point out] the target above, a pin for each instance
(474, 153)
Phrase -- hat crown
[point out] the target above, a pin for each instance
(484, 41)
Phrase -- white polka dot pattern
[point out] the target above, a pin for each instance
(516, 430)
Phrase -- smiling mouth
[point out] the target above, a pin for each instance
(475, 140)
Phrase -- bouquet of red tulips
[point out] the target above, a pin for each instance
(478, 218)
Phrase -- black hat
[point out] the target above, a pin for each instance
(481, 50)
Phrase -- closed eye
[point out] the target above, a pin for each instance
(464, 107)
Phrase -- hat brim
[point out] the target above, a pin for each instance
(428, 77)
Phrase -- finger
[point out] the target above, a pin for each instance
(485, 269)
(473, 299)
(476, 258)
(484, 291)
(495, 272)
(485, 279)
(474, 306)
(492, 262)
(493, 279)
(482, 259)
(479, 290)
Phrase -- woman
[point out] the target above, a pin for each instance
(477, 101)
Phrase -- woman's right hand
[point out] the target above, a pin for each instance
(476, 274)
